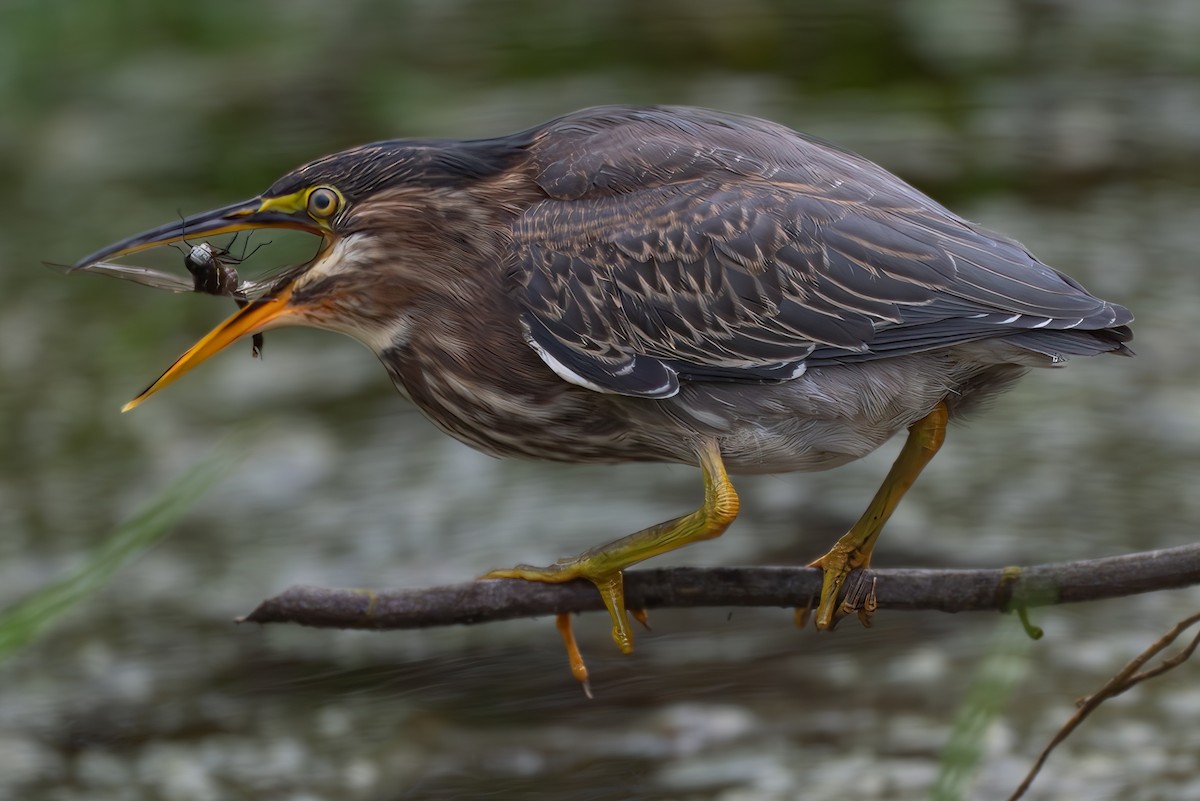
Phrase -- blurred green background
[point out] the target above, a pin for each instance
(1069, 125)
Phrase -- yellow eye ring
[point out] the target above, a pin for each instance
(323, 202)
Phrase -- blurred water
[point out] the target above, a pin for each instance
(1069, 126)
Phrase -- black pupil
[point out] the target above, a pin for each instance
(322, 201)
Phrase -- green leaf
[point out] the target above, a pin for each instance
(29, 618)
(1004, 666)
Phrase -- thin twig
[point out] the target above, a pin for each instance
(787, 587)
(1128, 677)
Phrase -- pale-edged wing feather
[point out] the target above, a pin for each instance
(688, 245)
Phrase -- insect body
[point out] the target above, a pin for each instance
(213, 273)
(212, 270)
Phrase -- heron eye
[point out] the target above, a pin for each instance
(323, 202)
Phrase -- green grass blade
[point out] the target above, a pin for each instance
(25, 620)
(1004, 666)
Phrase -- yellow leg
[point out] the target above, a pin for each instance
(854, 549)
(602, 566)
(579, 670)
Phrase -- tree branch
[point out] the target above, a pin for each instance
(1128, 677)
(944, 590)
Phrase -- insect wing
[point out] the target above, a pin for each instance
(142, 275)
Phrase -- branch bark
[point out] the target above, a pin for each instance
(908, 589)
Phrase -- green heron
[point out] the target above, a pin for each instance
(666, 285)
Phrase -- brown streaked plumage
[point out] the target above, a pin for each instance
(662, 284)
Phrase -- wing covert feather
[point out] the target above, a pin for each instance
(698, 249)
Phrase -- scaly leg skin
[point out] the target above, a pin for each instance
(602, 566)
(854, 549)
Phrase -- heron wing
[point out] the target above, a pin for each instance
(696, 246)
